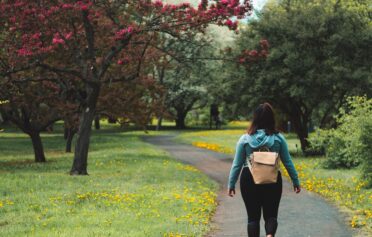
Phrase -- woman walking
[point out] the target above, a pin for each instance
(257, 197)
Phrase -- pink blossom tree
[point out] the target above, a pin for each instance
(97, 42)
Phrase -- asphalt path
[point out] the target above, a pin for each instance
(300, 215)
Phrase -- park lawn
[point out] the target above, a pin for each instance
(133, 190)
(225, 140)
(340, 186)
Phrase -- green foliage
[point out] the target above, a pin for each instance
(366, 139)
(346, 145)
(183, 76)
(318, 55)
(318, 141)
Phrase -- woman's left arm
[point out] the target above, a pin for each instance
(287, 162)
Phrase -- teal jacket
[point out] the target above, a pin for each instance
(247, 143)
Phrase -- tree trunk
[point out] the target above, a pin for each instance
(180, 120)
(160, 120)
(301, 127)
(112, 120)
(79, 166)
(3, 118)
(65, 132)
(69, 137)
(210, 121)
(97, 124)
(303, 135)
(38, 146)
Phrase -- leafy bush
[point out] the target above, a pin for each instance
(366, 139)
(318, 142)
(343, 146)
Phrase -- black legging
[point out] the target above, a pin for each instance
(257, 197)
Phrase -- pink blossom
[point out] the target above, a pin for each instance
(229, 23)
(185, 5)
(46, 49)
(225, 2)
(158, 3)
(164, 9)
(57, 39)
(253, 53)
(13, 19)
(130, 29)
(84, 7)
(234, 2)
(123, 32)
(41, 17)
(24, 52)
(19, 4)
(36, 36)
(68, 35)
(54, 8)
(67, 6)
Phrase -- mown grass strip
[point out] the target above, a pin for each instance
(133, 190)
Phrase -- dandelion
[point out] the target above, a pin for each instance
(353, 222)
(213, 147)
(9, 202)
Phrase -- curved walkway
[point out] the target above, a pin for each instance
(300, 215)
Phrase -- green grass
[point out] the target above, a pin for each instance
(344, 187)
(227, 138)
(133, 189)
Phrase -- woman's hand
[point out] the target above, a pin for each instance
(297, 189)
(231, 192)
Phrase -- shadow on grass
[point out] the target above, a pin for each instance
(19, 144)
(118, 147)
(24, 166)
(110, 144)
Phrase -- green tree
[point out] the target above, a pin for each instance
(319, 53)
(182, 72)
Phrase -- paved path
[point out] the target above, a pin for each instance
(300, 215)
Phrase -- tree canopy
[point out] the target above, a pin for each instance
(319, 53)
(97, 45)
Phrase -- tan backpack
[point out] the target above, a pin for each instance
(264, 166)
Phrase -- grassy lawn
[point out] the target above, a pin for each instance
(225, 140)
(133, 189)
(342, 187)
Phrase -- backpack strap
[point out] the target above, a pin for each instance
(263, 148)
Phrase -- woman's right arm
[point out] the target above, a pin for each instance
(239, 158)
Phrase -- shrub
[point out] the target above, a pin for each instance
(366, 139)
(343, 146)
(318, 142)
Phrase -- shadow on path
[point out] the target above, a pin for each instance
(300, 215)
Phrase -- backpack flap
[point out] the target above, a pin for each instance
(265, 158)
